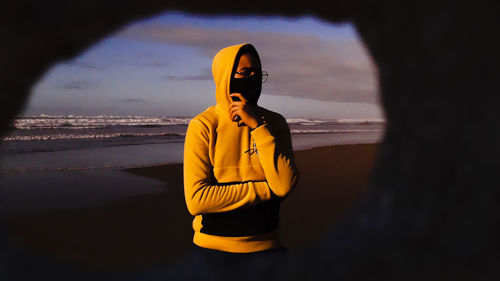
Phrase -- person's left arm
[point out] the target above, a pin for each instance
(276, 157)
(274, 149)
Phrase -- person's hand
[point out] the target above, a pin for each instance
(245, 110)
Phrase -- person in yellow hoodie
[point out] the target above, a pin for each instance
(238, 161)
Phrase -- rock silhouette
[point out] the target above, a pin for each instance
(433, 207)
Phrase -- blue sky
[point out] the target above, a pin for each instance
(161, 66)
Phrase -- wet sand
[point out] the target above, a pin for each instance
(155, 228)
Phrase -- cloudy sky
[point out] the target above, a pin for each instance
(162, 66)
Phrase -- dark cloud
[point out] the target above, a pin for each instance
(134, 100)
(206, 75)
(299, 65)
(201, 77)
(86, 65)
(79, 85)
(140, 62)
(159, 64)
(142, 59)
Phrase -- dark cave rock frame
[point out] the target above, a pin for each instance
(433, 206)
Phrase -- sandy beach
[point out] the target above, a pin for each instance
(154, 228)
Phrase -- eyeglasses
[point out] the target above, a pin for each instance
(265, 75)
(247, 74)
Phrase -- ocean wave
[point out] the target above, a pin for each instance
(94, 122)
(321, 121)
(360, 121)
(85, 136)
(307, 121)
(323, 131)
(78, 122)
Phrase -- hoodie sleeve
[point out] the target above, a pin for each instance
(201, 194)
(276, 157)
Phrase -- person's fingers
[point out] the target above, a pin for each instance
(234, 110)
(235, 118)
(235, 104)
(233, 113)
(238, 95)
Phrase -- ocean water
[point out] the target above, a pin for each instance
(49, 143)
(54, 163)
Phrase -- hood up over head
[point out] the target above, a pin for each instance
(223, 68)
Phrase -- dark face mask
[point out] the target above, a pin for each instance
(248, 87)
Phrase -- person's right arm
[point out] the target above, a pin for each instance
(200, 192)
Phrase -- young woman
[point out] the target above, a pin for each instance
(238, 161)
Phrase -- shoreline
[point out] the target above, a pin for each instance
(134, 169)
(153, 228)
(124, 153)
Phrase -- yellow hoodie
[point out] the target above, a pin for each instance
(234, 177)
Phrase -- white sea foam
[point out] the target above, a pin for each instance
(115, 135)
(304, 120)
(312, 121)
(322, 131)
(44, 121)
(360, 121)
(93, 122)
(55, 127)
(85, 136)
